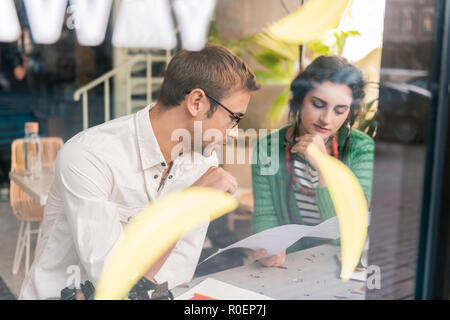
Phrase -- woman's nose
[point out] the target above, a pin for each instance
(325, 116)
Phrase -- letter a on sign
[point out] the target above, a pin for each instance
(46, 19)
(91, 18)
(9, 23)
(144, 24)
(193, 18)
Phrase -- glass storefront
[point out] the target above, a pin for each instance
(68, 87)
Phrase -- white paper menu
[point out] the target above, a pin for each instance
(277, 239)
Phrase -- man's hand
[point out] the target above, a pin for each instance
(153, 270)
(80, 295)
(218, 178)
(272, 261)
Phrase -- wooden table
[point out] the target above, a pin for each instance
(38, 189)
(310, 274)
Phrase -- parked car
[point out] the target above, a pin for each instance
(403, 110)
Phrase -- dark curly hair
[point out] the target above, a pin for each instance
(322, 69)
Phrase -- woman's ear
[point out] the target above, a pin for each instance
(346, 126)
(349, 127)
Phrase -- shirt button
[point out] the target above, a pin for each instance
(170, 176)
(155, 176)
(163, 164)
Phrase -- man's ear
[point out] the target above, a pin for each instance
(196, 102)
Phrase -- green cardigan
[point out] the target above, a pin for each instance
(269, 190)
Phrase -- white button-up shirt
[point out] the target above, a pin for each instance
(104, 176)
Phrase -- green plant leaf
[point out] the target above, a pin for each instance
(265, 77)
(341, 38)
(353, 33)
(368, 126)
(287, 50)
(290, 68)
(213, 34)
(271, 61)
(279, 106)
(318, 48)
(366, 123)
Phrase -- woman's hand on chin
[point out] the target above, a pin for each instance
(302, 144)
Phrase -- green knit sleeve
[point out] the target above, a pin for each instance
(264, 215)
(326, 207)
(325, 204)
(361, 163)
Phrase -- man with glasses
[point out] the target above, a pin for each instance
(235, 118)
(105, 175)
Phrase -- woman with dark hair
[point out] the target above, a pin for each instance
(326, 100)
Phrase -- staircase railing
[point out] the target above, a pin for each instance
(105, 80)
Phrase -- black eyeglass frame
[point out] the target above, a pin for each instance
(236, 118)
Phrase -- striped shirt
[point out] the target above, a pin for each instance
(275, 206)
(308, 177)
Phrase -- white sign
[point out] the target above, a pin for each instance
(46, 19)
(193, 18)
(9, 23)
(140, 23)
(144, 23)
(90, 20)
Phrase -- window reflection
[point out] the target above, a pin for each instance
(39, 82)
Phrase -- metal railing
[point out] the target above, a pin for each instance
(105, 80)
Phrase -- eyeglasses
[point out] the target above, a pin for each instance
(236, 118)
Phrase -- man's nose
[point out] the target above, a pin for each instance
(233, 133)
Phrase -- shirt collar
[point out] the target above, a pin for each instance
(149, 149)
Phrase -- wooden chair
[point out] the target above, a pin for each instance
(24, 207)
(243, 212)
(239, 165)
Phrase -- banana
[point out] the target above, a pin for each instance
(350, 204)
(154, 230)
(309, 22)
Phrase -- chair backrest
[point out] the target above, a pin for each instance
(50, 148)
(23, 206)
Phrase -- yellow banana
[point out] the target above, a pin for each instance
(309, 22)
(350, 204)
(156, 229)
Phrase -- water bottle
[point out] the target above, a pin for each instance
(32, 151)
